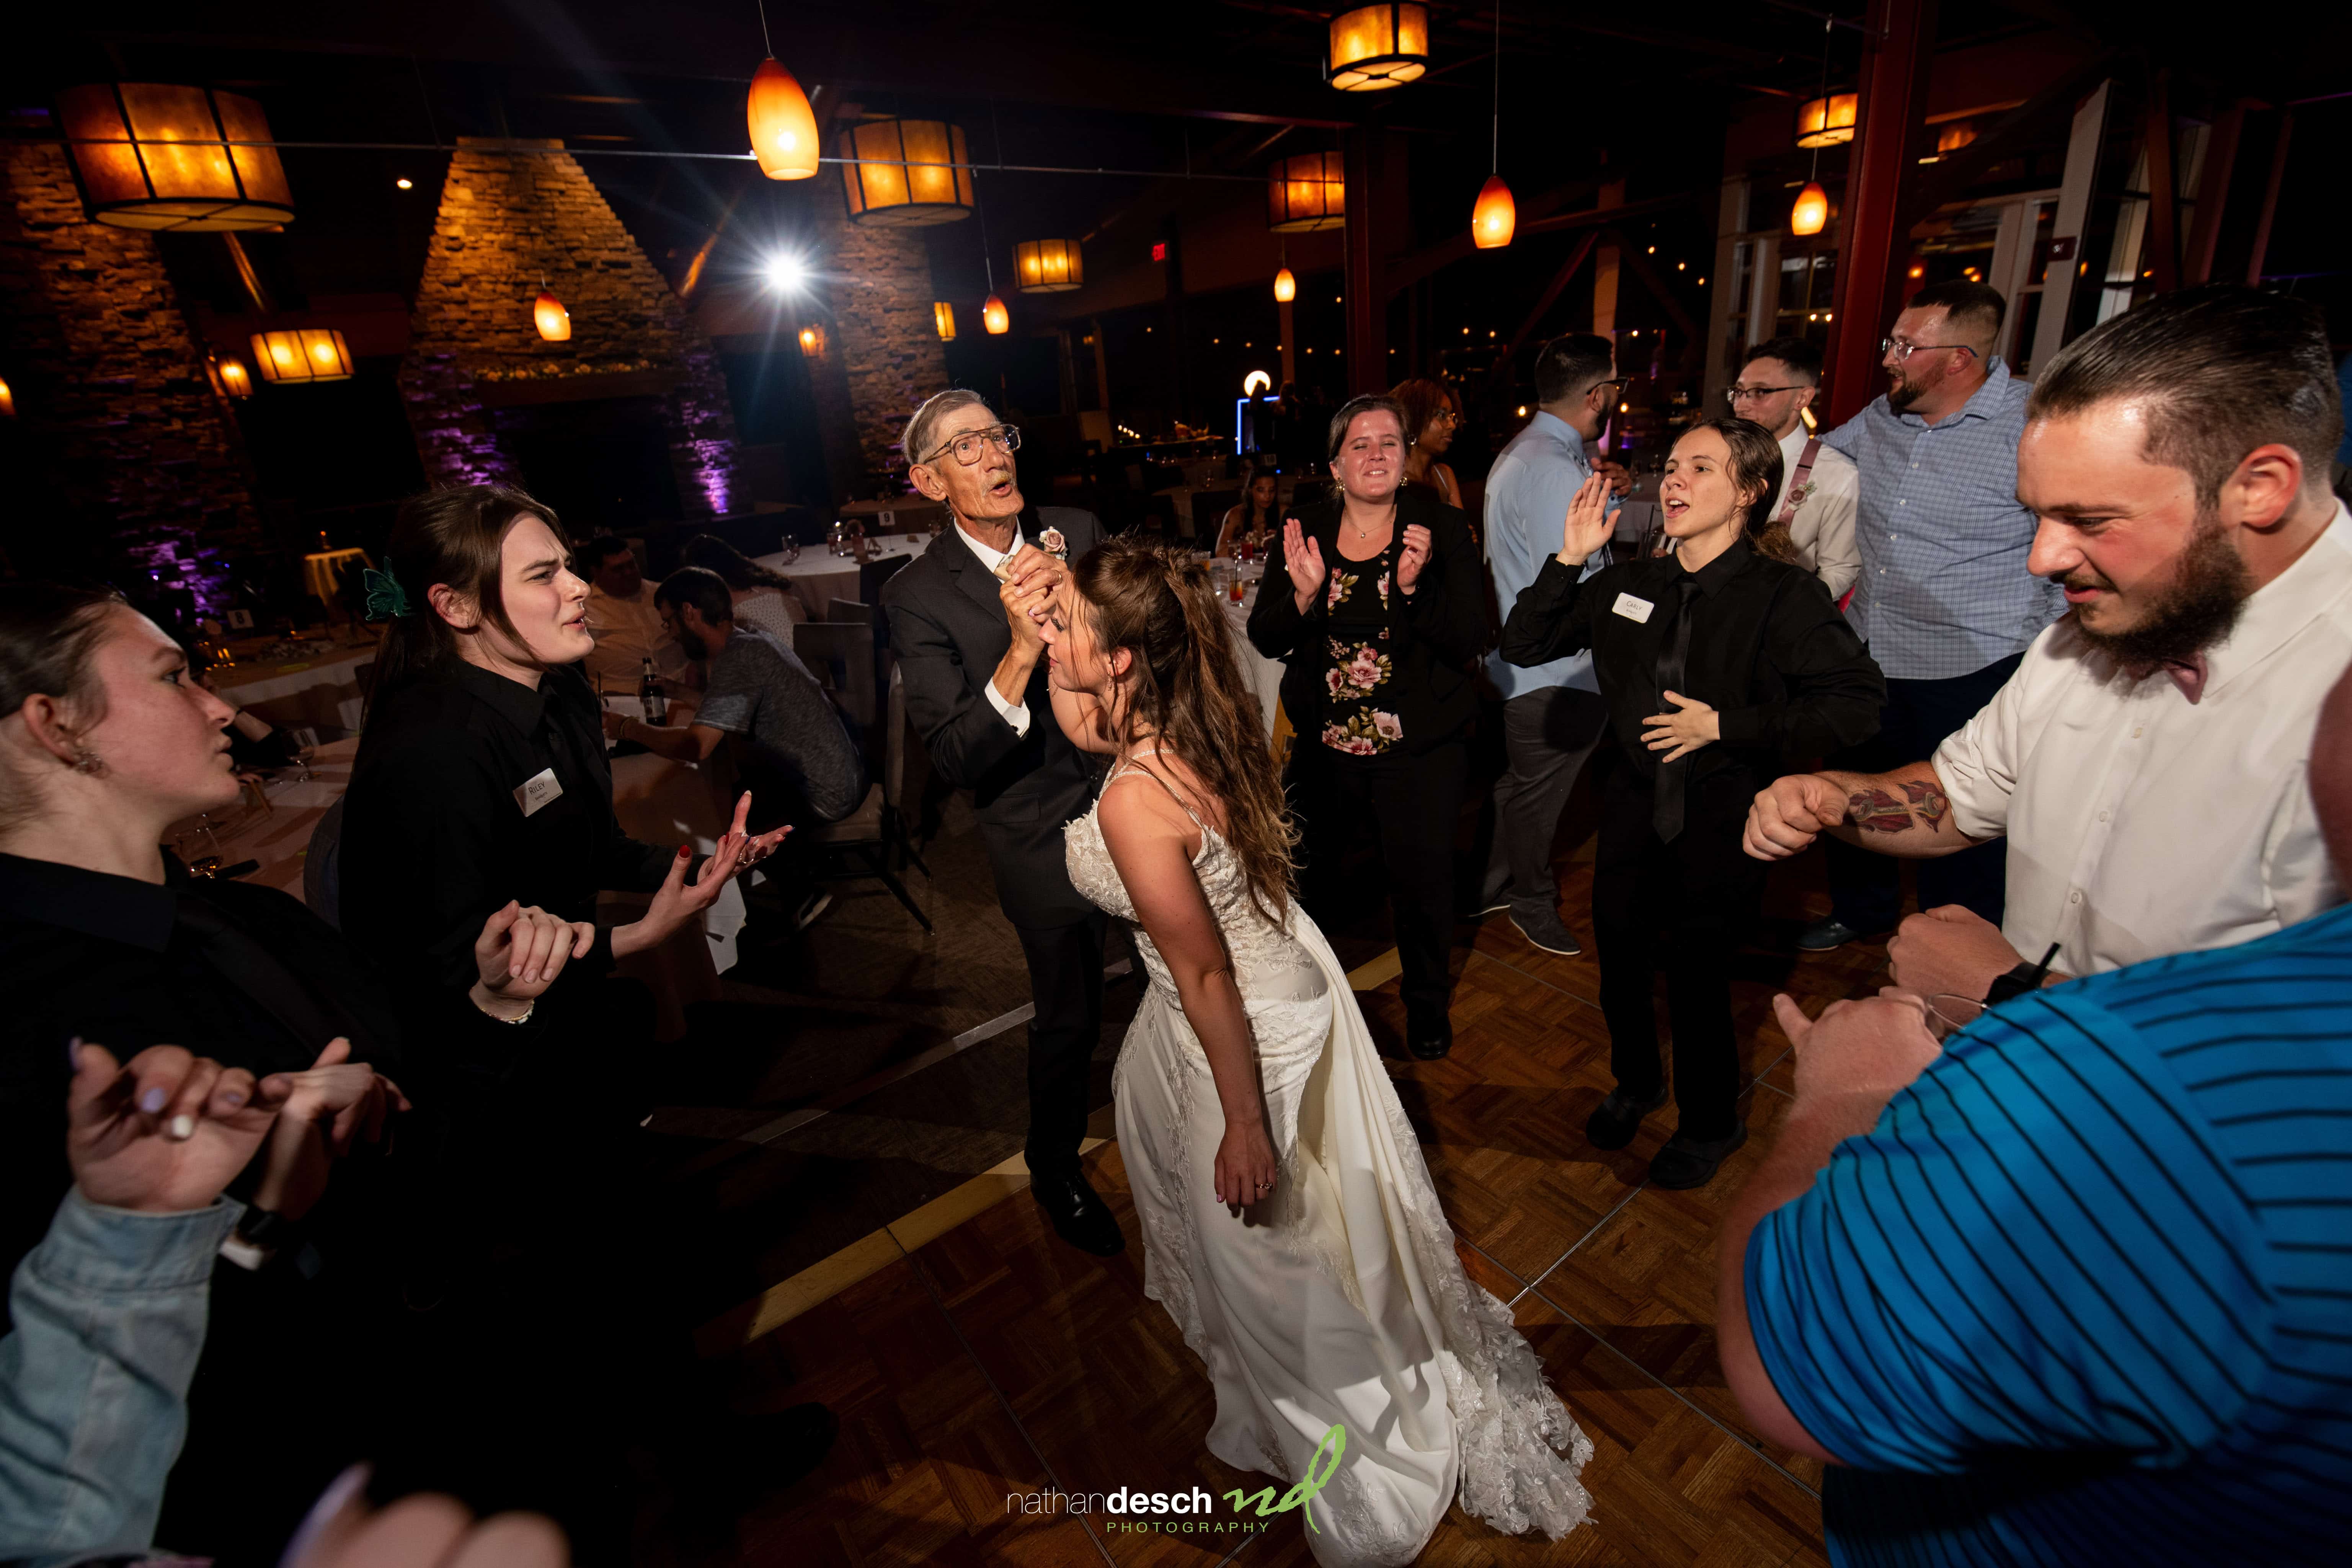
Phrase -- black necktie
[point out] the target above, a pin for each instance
(1674, 657)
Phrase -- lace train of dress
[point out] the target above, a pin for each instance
(1339, 1299)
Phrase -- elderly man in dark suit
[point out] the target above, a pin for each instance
(964, 621)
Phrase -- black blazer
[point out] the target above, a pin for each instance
(1438, 633)
(948, 629)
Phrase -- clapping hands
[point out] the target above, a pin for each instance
(1302, 557)
(1588, 527)
(1412, 558)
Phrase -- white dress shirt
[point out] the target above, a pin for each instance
(2141, 824)
(1822, 529)
(1014, 713)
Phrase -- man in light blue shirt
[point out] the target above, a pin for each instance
(1553, 714)
(1944, 601)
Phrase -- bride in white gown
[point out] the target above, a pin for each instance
(1289, 1223)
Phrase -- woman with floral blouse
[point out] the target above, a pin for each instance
(1374, 607)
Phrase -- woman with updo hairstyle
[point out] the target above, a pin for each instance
(1721, 665)
(1289, 1223)
(1377, 606)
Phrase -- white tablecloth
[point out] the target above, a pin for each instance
(320, 692)
(1264, 674)
(822, 576)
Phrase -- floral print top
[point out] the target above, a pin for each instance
(1356, 719)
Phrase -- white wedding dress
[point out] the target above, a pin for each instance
(1341, 1300)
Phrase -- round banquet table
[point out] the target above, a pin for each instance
(820, 576)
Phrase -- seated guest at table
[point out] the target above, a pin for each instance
(1375, 606)
(1254, 516)
(2146, 761)
(2070, 1288)
(763, 598)
(793, 750)
(1431, 416)
(622, 619)
(1716, 662)
(105, 743)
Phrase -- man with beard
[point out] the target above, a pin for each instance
(965, 622)
(1944, 601)
(793, 750)
(2146, 760)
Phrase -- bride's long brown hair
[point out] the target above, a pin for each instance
(1186, 688)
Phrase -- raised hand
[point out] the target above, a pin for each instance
(1303, 558)
(1790, 812)
(327, 1107)
(521, 950)
(165, 1133)
(750, 851)
(1588, 527)
(1413, 557)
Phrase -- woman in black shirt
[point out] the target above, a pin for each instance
(1375, 605)
(1717, 663)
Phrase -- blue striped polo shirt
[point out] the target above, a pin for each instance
(2084, 1293)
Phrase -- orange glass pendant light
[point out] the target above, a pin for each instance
(783, 127)
(1286, 287)
(1495, 216)
(995, 317)
(1810, 214)
(554, 322)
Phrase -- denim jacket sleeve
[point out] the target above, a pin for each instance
(109, 1319)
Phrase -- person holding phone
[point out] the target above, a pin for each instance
(1715, 662)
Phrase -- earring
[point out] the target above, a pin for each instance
(88, 763)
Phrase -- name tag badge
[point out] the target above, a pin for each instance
(537, 790)
(1633, 609)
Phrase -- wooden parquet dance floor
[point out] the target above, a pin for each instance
(993, 1360)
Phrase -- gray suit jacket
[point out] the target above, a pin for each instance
(948, 630)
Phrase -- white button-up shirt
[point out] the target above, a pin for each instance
(1014, 713)
(1822, 525)
(2141, 824)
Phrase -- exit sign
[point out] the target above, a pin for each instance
(1159, 251)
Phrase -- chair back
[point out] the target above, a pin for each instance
(894, 742)
(849, 613)
(847, 654)
(872, 574)
(322, 867)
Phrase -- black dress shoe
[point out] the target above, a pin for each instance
(1685, 1162)
(1429, 1042)
(1079, 1216)
(1614, 1121)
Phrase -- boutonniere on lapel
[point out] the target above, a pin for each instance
(1798, 493)
(1052, 543)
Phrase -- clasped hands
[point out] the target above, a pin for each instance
(1302, 558)
(1030, 581)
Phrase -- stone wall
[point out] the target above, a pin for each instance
(512, 212)
(110, 382)
(884, 344)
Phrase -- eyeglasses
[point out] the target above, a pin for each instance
(1734, 393)
(1903, 351)
(969, 445)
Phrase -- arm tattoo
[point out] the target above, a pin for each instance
(1930, 803)
(1878, 811)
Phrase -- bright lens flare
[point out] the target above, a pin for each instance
(787, 272)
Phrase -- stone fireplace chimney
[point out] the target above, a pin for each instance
(110, 382)
(485, 392)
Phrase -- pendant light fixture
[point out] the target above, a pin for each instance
(184, 159)
(305, 353)
(1376, 47)
(1494, 216)
(1286, 287)
(7, 401)
(783, 127)
(813, 340)
(547, 314)
(943, 318)
(993, 316)
(1810, 214)
(227, 374)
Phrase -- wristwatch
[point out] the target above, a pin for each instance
(2025, 977)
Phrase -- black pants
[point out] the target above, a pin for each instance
(1865, 889)
(1548, 735)
(1414, 803)
(1681, 907)
(1065, 976)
